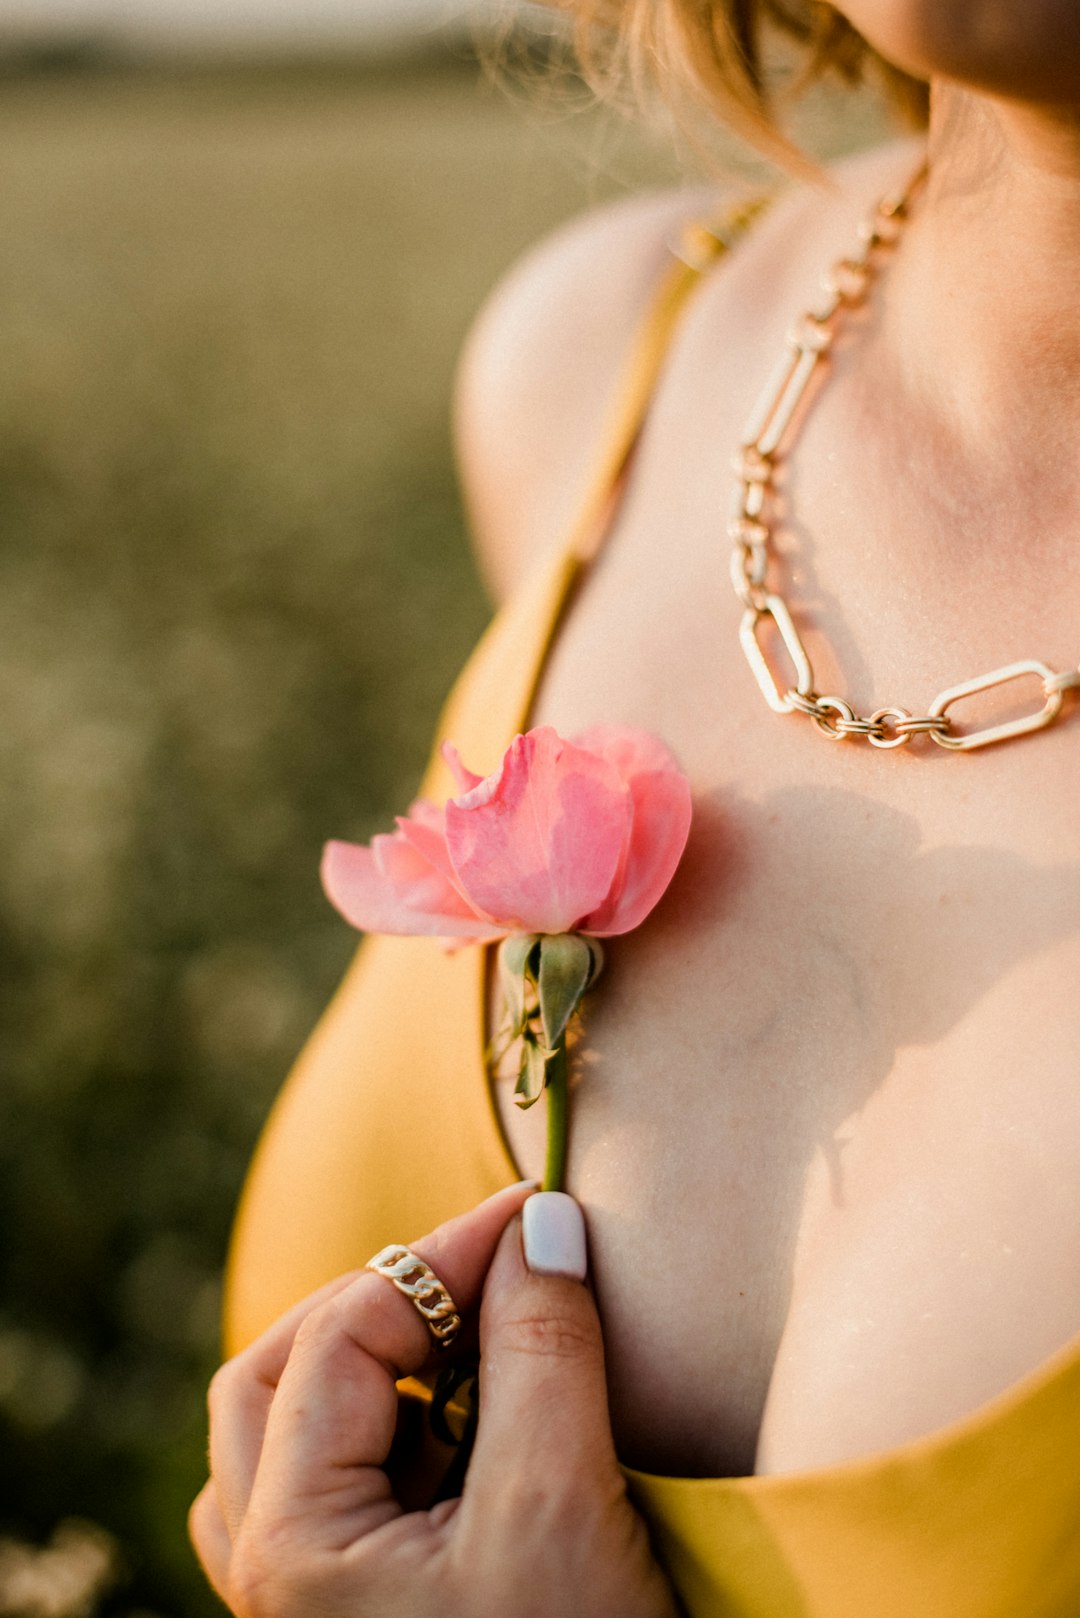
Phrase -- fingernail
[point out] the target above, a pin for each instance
(518, 1185)
(553, 1236)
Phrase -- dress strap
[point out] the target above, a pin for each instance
(697, 247)
(493, 697)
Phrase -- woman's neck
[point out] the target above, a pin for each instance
(984, 307)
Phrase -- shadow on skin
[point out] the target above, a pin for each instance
(805, 942)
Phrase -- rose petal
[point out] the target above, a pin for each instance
(633, 752)
(465, 778)
(427, 814)
(538, 843)
(661, 825)
(415, 879)
(372, 901)
(425, 830)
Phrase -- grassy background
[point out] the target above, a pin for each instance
(234, 586)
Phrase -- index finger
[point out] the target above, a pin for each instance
(332, 1418)
(239, 1399)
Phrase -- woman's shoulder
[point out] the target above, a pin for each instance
(545, 358)
(541, 365)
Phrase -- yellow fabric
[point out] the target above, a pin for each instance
(387, 1126)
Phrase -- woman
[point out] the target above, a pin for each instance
(827, 1123)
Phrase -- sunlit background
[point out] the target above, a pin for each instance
(238, 254)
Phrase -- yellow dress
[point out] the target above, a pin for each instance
(387, 1126)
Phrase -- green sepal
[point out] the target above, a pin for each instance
(533, 1075)
(518, 955)
(566, 967)
(596, 950)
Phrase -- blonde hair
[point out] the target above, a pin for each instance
(713, 54)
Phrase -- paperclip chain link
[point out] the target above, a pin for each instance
(771, 430)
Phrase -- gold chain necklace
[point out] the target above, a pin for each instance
(769, 433)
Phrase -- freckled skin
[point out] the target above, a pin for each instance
(826, 1115)
(826, 1119)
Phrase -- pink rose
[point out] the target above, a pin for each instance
(580, 836)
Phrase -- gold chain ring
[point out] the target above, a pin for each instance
(419, 1283)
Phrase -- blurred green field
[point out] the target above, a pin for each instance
(234, 586)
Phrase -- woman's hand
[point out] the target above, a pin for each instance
(299, 1518)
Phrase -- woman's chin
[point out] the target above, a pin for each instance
(1026, 53)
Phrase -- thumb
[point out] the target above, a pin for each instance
(543, 1405)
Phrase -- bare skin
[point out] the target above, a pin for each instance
(827, 1121)
(298, 1518)
(827, 1124)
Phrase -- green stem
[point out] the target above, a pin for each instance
(557, 1117)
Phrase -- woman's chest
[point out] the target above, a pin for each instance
(827, 1105)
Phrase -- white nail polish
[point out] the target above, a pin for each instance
(518, 1185)
(553, 1235)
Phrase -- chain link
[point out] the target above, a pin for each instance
(772, 428)
(887, 727)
